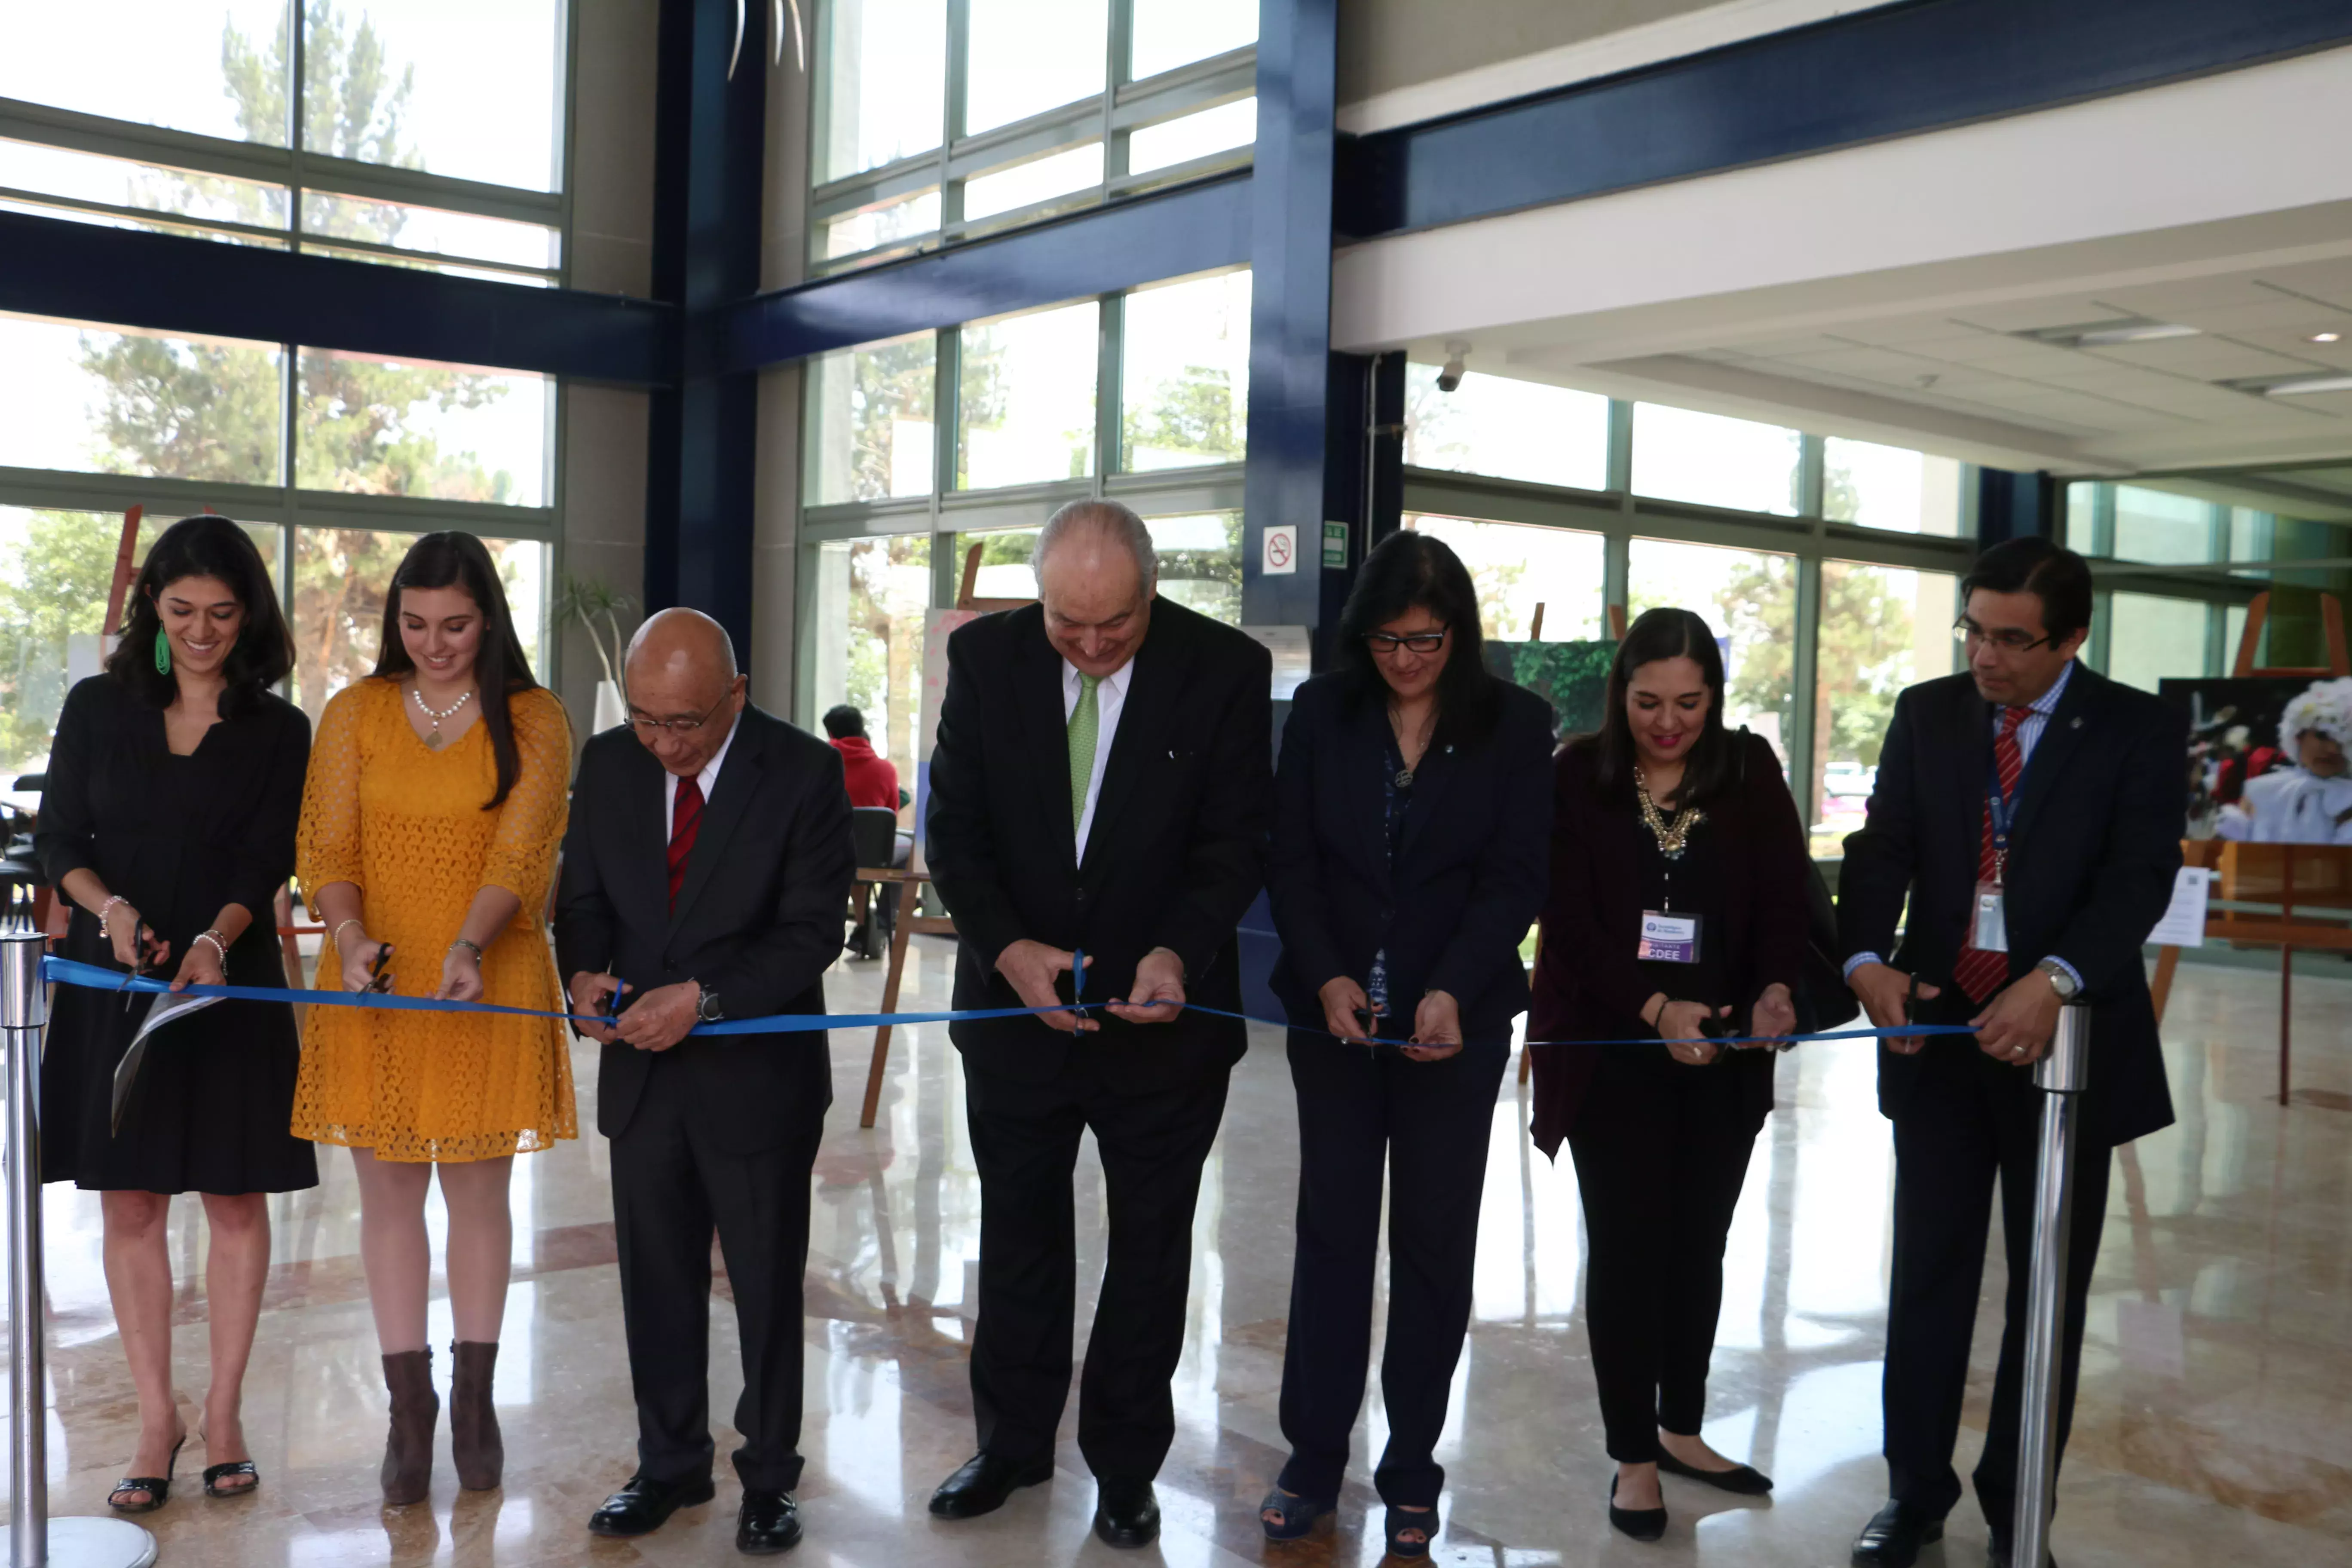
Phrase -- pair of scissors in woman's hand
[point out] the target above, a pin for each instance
(151, 951)
(379, 978)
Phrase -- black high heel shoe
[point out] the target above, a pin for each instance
(1641, 1523)
(157, 1488)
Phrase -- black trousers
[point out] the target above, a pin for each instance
(672, 1185)
(1025, 1141)
(1427, 1123)
(1661, 1152)
(1968, 1117)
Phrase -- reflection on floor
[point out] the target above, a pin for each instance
(2215, 1424)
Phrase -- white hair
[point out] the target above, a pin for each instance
(2325, 706)
(1109, 519)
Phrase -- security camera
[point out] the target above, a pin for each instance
(1450, 376)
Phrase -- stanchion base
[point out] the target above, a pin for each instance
(98, 1543)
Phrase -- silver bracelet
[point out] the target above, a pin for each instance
(469, 944)
(354, 920)
(219, 945)
(105, 910)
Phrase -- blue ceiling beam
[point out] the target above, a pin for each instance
(1859, 78)
(201, 288)
(1142, 239)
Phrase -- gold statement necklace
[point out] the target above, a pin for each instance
(1672, 834)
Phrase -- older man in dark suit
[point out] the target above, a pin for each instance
(2032, 812)
(1101, 785)
(704, 876)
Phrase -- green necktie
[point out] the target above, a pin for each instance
(1083, 720)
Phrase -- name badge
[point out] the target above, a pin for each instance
(1668, 938)
(1991, 933)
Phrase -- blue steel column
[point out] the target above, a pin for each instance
(2016, 506)
(1293, 373)
(709, 145)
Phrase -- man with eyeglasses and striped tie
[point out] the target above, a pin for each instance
(1101, 785)
(705, 872)
(2032, 812)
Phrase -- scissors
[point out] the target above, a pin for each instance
(149, 943)
(379, 978)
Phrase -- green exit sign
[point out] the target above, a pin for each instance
(1335, 546)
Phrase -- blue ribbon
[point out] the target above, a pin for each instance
(70, 971)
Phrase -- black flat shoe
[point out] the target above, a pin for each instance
(769, 1522)
(646, 1504)
(1739, 1478)
(1641, 1523)
(1126, 1512)
(984, 1483)
(1893, 1537)
(157, 1488)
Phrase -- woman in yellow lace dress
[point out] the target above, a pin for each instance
(431, 818)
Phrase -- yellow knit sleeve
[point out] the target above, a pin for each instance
(522, 858)
(327, 845)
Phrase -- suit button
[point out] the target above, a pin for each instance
(1080, 895)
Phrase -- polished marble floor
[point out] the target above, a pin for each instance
(2216, 1419)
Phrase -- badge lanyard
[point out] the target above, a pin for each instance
(1990, 930)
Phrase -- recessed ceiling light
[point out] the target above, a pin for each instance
(2303, 386)
(2111, 332)
(2327, 337)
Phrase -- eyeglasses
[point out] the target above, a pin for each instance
(647, 729)
(1965, 630)
(1420, 642)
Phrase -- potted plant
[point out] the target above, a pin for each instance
(599, 609)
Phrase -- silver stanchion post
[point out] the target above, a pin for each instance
(2059, 1075)
(35, 1540)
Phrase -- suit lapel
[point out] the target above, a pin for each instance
(644, 815)
(1973, 723)
(2060, 737)
(1153, 683)
(738, 781)
(1037, 697)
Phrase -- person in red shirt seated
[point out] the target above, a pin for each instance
(872, 779)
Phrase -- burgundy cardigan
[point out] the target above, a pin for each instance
(1587, 985)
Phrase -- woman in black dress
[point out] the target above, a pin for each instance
(1411, 803)
(1678, 909)
(168, 822)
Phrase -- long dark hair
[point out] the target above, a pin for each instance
(205, 547)
(1411, 570)
(1712, 762)
(456, 559)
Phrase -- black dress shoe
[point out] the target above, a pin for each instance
(1893, 1537)
(645, 1504)
(1739, 1478)
(1126, 1513)
(769, 1522)
(1641, 1523)
(984, 1483)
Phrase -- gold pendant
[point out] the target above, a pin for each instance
(432, 742)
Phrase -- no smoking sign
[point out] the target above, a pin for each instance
(1280, 551)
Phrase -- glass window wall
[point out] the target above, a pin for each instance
(388, 427)
(129, 60)
(470, 88)
(1184, 393)
(1888, 487)
(1713, 460)
(1029, 56)
(1508, 428)
(1171, 33)
(1749, 599)
(881, 82)
(1190, 136)
(2151, 637)
(1038, 180)
(1881, 629)
(872, 601)
(1025, 399)
(2160, 527)
(102, 400)
(1519, 571)
(870, 431)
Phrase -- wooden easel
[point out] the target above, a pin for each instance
(2269, 872)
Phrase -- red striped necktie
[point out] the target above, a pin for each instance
(685, 820)
(1978, 973)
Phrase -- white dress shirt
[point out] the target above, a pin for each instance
(1110, 696)
(708, 779)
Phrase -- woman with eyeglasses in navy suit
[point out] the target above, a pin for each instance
(1411, 803)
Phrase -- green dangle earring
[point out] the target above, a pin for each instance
(162, 651)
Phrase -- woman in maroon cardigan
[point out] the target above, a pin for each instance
(1678, 909)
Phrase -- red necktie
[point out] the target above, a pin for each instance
(1981, 973)
(685, 819)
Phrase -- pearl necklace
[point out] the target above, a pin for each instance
(432, 742)
(1671, 835)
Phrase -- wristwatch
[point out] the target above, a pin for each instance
(2060, 981)
(706, 1007)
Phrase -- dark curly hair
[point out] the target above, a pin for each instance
(1407, 570)
(205, 547)
(458, 560)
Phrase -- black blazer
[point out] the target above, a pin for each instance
(758, 920)
(1588, 984)
(1173, 858)
(2093, 854)
(1468, 879)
